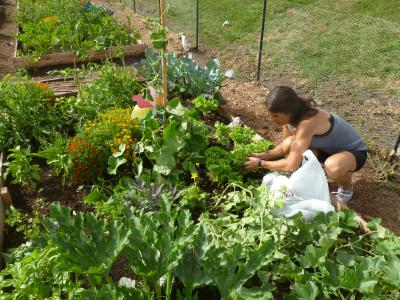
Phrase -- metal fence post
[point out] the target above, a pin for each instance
(197, 25)
(261, 39)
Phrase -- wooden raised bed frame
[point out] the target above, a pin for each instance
(70, 58)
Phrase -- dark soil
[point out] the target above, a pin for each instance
(50, 190)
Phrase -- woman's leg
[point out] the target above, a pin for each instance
(340, 167)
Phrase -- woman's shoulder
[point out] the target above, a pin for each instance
(320, 116)
(316, 122)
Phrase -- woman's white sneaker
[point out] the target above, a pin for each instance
(344, 196)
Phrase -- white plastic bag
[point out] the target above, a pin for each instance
(309, 181)
(305, 191)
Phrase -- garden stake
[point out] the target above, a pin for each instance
(164, 59)
(197, 25)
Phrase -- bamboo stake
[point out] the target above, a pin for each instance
(164, 59)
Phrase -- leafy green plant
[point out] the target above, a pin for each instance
(221, 133)
(241, 134)
(21, 222)
(19, 166)
(116, 159)
(205, 105)
(175, 147)
(79, 239)
(225, 166)
(145, 192)
(113, 87)
(219, 165)
(242, 251)
(27, 113)
(193, 197)
(159, 38)
(34, 272)
(185, 77)
(169, 231)
(240, 152)
(58, 158)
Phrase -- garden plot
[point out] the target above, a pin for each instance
(161, 191)
(68, 33)
(164, 195)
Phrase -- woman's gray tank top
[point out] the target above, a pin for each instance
(340, 137)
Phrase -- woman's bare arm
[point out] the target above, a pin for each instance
(280, 150)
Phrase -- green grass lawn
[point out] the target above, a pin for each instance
(385, 9)
(316, 40)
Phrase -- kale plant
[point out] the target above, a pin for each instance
(185, 77)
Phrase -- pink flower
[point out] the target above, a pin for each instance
(141, 102)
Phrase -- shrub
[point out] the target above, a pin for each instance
(98, 139)
(114, 87)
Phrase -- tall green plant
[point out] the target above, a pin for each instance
(113, 87)
(19, 166)
(169, 232)
(27, 113)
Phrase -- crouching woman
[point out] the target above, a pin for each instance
(337, 145)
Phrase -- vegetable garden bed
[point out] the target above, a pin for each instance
(70, 32)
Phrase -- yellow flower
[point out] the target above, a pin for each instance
(194, 175)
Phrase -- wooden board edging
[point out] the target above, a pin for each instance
(70, 58)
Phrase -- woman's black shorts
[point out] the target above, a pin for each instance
(360, 156)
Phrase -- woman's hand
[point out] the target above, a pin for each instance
(261, 155)
(252, 163)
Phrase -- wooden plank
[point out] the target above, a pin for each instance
(69, 58)
(53, 79)
(3, 202)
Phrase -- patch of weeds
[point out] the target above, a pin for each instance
(388, 173)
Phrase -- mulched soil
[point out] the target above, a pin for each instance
(245, 100)
(371, 199)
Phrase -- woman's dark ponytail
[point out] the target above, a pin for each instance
(283, 99)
